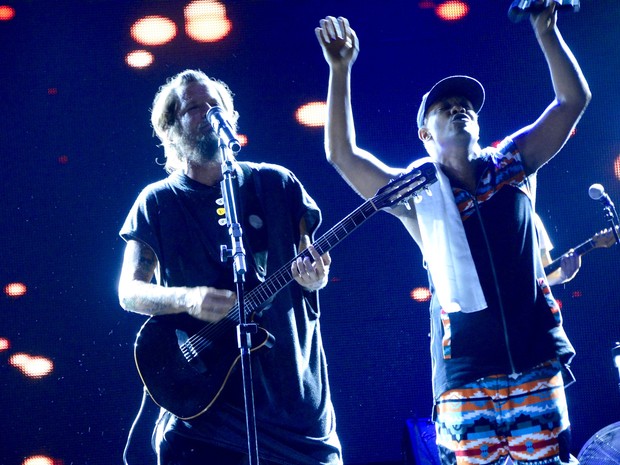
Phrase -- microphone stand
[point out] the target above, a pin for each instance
(612, 216)
(244, 330)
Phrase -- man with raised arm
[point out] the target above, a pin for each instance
(499, 352)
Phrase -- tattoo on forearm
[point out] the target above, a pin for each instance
(146, 264)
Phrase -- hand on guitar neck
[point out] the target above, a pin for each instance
(565, 267)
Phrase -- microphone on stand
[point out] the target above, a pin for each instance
(597, 192)
(520, 9)
(223, 129)
(615, 354)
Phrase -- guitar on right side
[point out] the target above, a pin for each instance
(603, 239)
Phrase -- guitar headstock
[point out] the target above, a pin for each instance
(405, 186)
(605, 238)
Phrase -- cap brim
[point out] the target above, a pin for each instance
(453, 86)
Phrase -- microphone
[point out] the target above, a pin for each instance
(223, 129)
(597, 192)
(615, 354)
(520, 9)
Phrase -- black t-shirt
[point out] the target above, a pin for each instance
(179, 219)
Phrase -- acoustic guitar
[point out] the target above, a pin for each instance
(185, 363)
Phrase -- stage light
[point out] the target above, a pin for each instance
(420, 294)
(139, 59)
(426, 4)
(15, 290)
(7, 13)
(5, 344)
(617, 167)
(206, 21)
(312, 114)
(32, 366)
(243, 139)
(41, 460)
(452, 10)
(153, 30)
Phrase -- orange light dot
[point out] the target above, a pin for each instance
(426, 4)
(617, 167)
(139, 59)
(41, 460)
(206, 21)
(19, 359)
(52, 91)
(15, 290)
(32, 366)
(5, 344)
(243, 139)
(420, 294)
(153, 30)
(312, 114)
(7, 13)
(452, 10)
(63, 160)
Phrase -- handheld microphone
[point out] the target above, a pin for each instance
(521, 9)
(223, 129)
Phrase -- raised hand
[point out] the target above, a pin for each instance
(339, 42)
(545, 20)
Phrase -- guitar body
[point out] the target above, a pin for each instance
(188, 388)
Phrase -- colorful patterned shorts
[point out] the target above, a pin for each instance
(523, 416)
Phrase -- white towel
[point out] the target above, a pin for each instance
(446, 250)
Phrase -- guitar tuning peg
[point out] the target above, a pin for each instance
(406, 203)
(428, 191)
(417, 198)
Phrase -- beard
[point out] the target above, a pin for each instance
(200, 149)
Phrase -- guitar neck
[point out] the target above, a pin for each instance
(581, 249)
(281, 278)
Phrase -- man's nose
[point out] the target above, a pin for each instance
(457, 109)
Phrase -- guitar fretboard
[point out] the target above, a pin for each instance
(264, 291)
(579, 250)
(398, 190)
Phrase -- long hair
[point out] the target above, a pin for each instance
(166, 105)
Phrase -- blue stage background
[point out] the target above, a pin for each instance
(66, 92)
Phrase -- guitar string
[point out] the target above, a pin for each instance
(281, 278)
(199, 341)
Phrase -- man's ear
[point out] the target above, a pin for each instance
(424, 134)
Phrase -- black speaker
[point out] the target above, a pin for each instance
(419, 447)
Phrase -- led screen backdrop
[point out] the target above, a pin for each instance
(76, 146)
